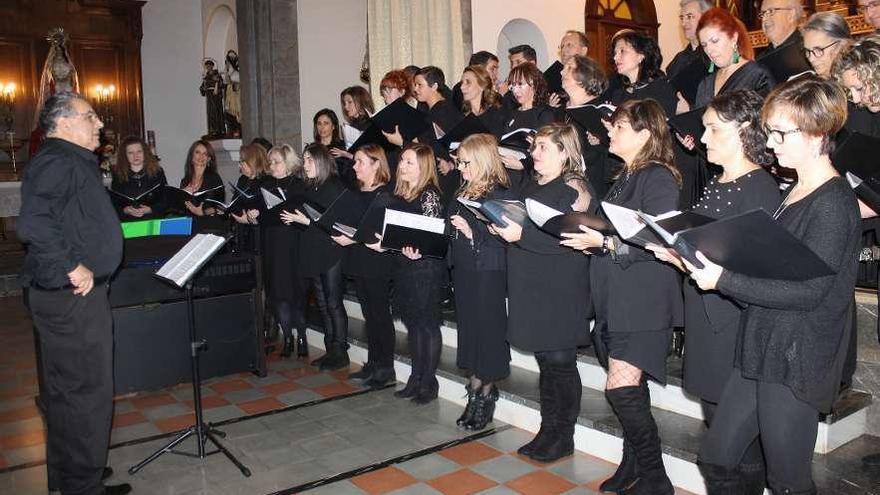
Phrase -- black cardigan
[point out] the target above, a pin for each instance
(795, 332)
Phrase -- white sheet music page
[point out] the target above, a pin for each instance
(539, 212)
(271, 200)
(190, 258)
(413, 221)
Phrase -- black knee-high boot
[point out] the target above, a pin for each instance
(566, 383)
(547, 401)
(628, 469)
(432, 345)
(722, 480)
(633, 408)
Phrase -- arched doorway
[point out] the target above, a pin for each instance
(516, 32)
(603, 18)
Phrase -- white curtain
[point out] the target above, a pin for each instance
(415, 32)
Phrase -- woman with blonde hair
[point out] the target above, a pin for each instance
(479, 275)
(549, 289)
(281, 249)
(418, 279)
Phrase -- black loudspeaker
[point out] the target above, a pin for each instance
(152, 347)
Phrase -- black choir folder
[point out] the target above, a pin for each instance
(688, 80)
(276, 203)
(589, 118)
(494, 210)
(516, 143)
(853, 156)
(750, 243)
(468, 126)
(134, 201)
(177, 196)
(555, 222)
(427, 234)
(398, 113)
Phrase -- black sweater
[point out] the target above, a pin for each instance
(795, 332)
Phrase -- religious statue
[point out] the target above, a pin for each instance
(212, 90)
(232, 80)
(58, 75)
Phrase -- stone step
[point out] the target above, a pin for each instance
(847, 421)
(597, 433)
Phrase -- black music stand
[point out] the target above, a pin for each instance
(180, 270)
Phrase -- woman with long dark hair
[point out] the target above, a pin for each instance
(319, 263)
(637, 298)
(200, 174)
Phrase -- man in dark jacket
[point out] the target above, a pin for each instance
(74, 244)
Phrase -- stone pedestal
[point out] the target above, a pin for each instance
(228, 154)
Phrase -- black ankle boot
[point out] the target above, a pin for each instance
(633, 408)
(428, 389)
(364, 374)
(721, 480)
(287, 347)
(337, 360)
(381, 376)
(484, 409)
(410, 390)
(626, 472)
(547, 402)
(302, 344)
(784, 490)
(468, 412)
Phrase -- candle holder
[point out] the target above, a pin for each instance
(7, 104)
(105, 96)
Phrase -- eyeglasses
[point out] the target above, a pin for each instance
(772, 11)
(778, 135)
(518, 84)
(868, 6)
(386, 89)
(819, 50)
(687, 17)
(462, 163)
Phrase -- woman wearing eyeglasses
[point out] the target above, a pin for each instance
(793, 337)
(825, 35)
(479, 275)
(726, 42)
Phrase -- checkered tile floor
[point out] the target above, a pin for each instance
(360, 443)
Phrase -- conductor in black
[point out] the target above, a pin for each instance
(74, 244)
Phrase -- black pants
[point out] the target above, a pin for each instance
(374, 294)
(787, 427)
(76, 351)
(329, 289)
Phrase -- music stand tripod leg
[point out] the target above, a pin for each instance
(203, 431)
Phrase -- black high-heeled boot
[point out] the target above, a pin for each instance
(566, 383)
(381, 377)
(633, 408)
(484, 409)
(547, 402)
(628, 469)
(468, 412)
(410, 389)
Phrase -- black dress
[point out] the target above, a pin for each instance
(246, 238)
(479, 276)
(281, 245)
(637, 298)
(207, 223)
(444, 115)
(751, 75)
(136, 184)
(794, 332)
(548, 285)
(712, 320)
(534, 118)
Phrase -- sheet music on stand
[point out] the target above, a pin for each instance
(186, 262)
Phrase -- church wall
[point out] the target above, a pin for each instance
(171, 54)
(332, 40)
(554, 18)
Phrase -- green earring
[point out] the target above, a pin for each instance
(711, 67)
(736, 55)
